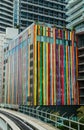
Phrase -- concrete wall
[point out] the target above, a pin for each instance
(3, 125)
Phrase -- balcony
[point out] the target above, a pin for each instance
(57, 2)
(72, 2)
(82, 96)
(81, 56)
(75, 22)
(81, 48)
(44, 7)
(6, 14)
(11, 2)
(75, 15)
(81, 87)
(6, 23)
(80, 30)
(81, 79)
(75, 8)
(7, 5)
(6, 10)
(44, 15)
(81, 71)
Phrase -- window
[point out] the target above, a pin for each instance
(31, 46)
(31, 81)
(31, 72)
(31, 63)
(31, 55)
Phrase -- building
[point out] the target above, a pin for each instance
(2, 37)
(21, 14)
(75, 14)
(4, 40)
(6, 14)
(41, 67)
(75, 18)
(16, 13)
(47, 11)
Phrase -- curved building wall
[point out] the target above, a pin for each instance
(75, 14)
(6, 14)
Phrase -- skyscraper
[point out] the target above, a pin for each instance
(75, 14)
(47, 11)
(6, 14)
(22, 13)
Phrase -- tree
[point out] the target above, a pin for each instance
(80, 112)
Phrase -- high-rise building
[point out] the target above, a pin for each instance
(41, 67)
(22, 13)
(75, 21)
(75, 15)
(47, 11)
(6, 14)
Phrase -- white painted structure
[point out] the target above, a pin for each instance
(7, 124)
(4, 40)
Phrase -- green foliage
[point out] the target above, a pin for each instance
(73, 125)
(80, 112)
(53, 117)
(82, 120)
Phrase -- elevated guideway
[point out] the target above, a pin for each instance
(35, 124)
(42, 120)
(6, 123)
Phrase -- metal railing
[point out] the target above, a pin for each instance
(56, 120)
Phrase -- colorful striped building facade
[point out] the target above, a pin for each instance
(42, 67)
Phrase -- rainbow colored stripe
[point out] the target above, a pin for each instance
(42, 67)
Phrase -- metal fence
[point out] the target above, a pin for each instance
(57, 121)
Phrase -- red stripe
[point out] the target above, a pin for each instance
(48, 74)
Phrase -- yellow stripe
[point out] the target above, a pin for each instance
(35, 64)
(43, 79)
(46, 31)
(47, 73)
(38, 73)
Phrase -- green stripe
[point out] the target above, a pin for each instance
(41, 73)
